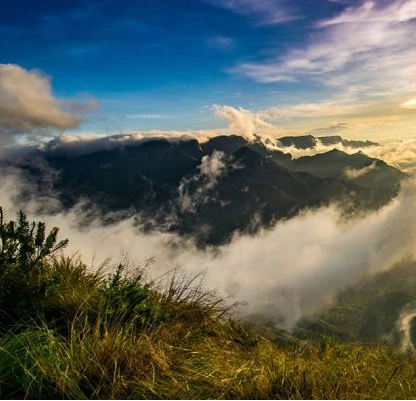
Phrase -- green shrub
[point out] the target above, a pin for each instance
(25, 278)
(128, 299)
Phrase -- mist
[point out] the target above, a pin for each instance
(287, 272)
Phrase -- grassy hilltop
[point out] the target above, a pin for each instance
(68, 332)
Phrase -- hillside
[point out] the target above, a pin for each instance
(67, 332)
(372, 312)
(357, 168)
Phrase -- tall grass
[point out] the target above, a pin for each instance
(121, 336)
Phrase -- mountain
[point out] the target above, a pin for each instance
(336, 139)
(224, 143)
(212, 189)
(357, 168)
(136, 176)
(231, 143)
(256, 194)
(299, 142)
(309, 141)
(381, 181)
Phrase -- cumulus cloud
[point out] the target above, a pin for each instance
(401, 154)
(28, 106)
(244, 122)
(27, 103)
(357, 118)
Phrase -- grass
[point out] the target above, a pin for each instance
(70, 333)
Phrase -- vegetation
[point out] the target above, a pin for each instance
(369, 312)
(67, 332)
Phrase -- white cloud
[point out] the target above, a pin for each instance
(221, 42)
(409, 104)
(344, 104)
(369, 46)
(265, 12)
(196, 190)
(244, 122)
(351, 173)
(84, 144)
(401, 154)
(27, 102)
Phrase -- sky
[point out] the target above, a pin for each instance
(287, 67)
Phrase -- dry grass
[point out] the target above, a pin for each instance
(68, 333)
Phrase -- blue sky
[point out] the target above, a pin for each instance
(161, 64)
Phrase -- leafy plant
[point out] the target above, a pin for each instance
(25, 278)
(128, 299)
(23, 245)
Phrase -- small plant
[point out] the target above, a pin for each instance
(23, 245)
(129, 299)
(25, 276)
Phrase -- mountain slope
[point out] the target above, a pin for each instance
(213, 189)
(357, 168)
(373, 311)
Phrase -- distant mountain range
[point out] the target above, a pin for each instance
(309, 141)
(212, 189)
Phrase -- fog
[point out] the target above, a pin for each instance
(287, 272)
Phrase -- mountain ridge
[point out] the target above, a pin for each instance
(227, 182)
